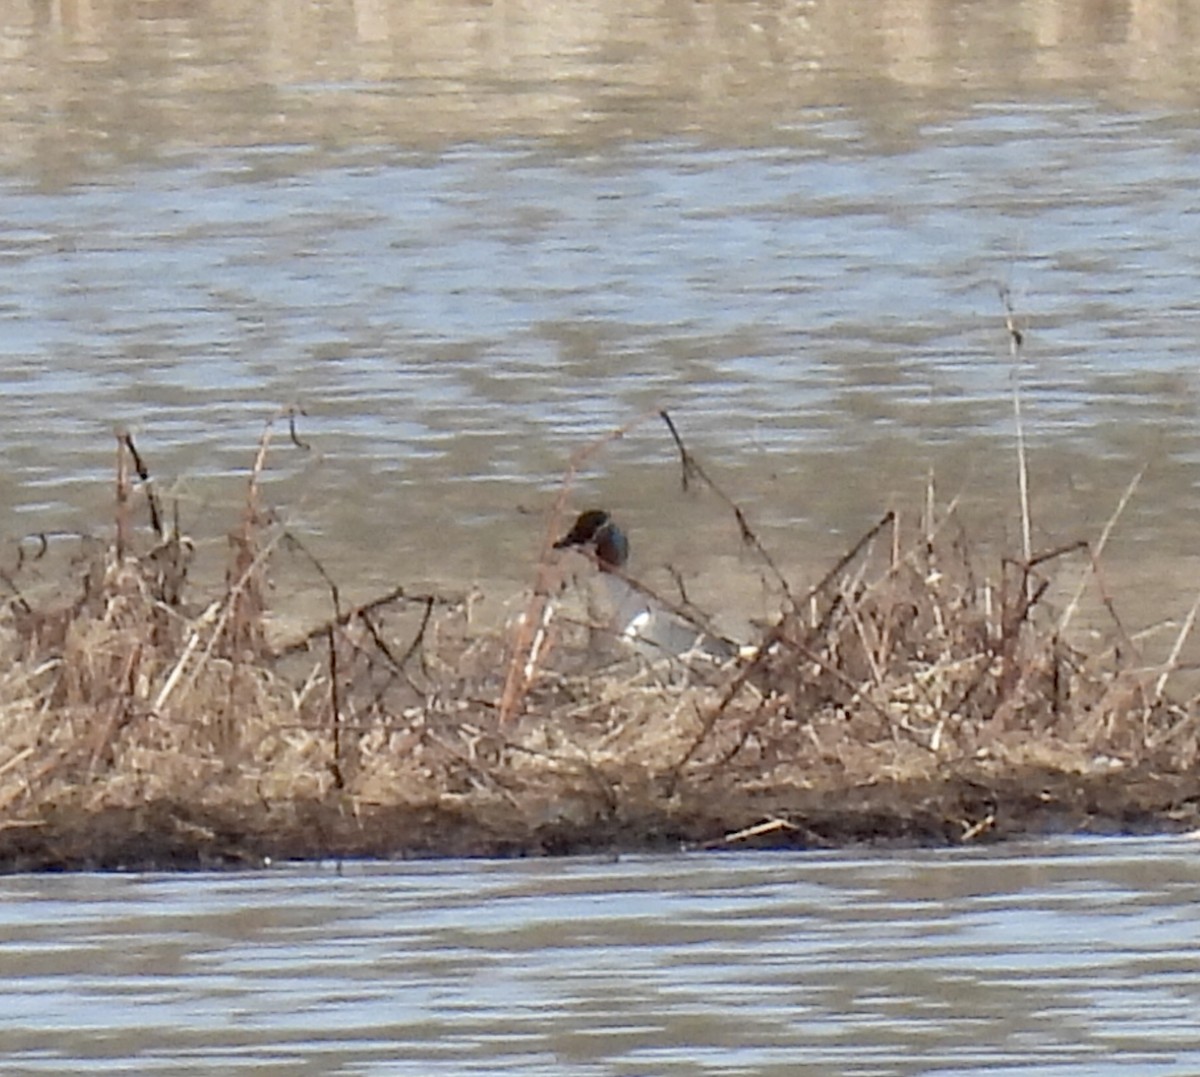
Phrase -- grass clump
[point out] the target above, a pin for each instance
(914, 693)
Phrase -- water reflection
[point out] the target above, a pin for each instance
(1075, 958)
(540, 69)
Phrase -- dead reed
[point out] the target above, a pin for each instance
(914, 691)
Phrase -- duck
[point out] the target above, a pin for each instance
(597, 532)
(637, 618)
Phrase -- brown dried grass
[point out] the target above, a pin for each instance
(910, 663)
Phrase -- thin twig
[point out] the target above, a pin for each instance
(690, 468)
(335, 709)
(1016, 341)
(1185, 629)
(1098, 549)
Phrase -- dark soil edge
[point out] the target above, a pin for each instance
(976, 808)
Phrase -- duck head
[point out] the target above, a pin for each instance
(596, 531)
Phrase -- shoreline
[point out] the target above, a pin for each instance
(967, 807)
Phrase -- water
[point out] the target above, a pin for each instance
(1076, 957)
(470, 239)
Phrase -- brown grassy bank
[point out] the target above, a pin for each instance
(920, 692)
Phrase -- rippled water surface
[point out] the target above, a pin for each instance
(468, 239)
(1073, 958)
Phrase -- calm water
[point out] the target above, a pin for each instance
(470, 238)
(1059, 959)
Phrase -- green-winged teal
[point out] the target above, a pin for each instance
(636, 617)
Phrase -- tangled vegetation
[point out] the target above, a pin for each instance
(915, 693)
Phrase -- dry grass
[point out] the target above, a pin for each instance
(908, 680)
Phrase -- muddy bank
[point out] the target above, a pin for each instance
(977, 807)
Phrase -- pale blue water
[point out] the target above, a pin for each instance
(456, 324)
(1067, 958)
(534, 301)
(469, 239)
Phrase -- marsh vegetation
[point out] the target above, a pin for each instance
(925, 688)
